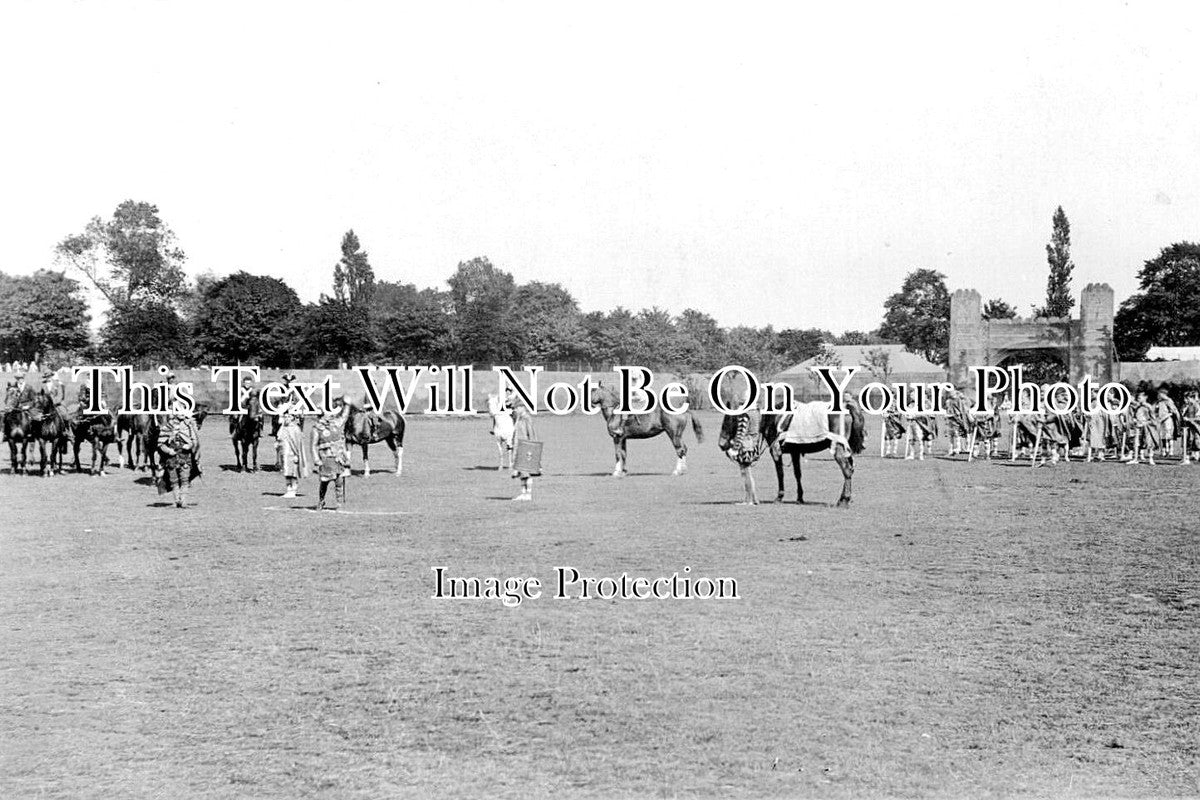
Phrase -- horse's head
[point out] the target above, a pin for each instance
(604, 398)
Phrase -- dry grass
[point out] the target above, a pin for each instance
(962, 630)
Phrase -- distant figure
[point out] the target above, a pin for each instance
(523, 432)
(293, 461)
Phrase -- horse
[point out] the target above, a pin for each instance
(139, 435)
(244, 432)
(503, 429)
(366, 428)
(644, 426)
(50, 429)
(99, 430)
(18, 431)
(813, 429)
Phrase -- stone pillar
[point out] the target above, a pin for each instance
(967, 341)
(1092, 345)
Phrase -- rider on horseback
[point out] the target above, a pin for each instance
(20, 394)
(56, 392)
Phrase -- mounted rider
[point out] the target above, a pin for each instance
(56, 393)
(20, 395)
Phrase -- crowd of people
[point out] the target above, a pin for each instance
(1152, 426)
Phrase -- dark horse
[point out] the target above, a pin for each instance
(99, 430)
(244, 431)
(51, 431)
(820, 432)
(138, 434)
(644, 426)
(364, 428)
(18, 431)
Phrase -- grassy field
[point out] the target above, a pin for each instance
(962, 630)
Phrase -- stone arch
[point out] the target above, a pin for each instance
(1084, 345)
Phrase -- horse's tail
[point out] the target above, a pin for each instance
(858, 429)
(697, 429)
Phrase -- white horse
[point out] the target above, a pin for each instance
(503, 429)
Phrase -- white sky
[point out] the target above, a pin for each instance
(779, 164)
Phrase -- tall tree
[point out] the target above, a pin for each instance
(130, 258)
(39, 314)
(249, 319)
(918, 316)
(798, 345)
(1166, 310)
(353, 278)
(704, 337)
(1058, 253)
(485, 330)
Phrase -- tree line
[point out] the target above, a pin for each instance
(157, 315)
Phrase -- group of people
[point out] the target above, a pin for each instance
(1146, 429)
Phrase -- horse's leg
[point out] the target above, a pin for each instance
(618, 455)
(503, 451)
(254, 453)
(680, 452)
(778, 459)
(748, 483)
(366, 464)
(398, 451)
(796, 463)
(846, 461)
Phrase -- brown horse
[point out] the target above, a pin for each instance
(365, 428)
(99, 430)
(820, 428)
(244, 432)
(644, 426)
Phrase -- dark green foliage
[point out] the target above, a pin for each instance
(918, 316)
(41, 313)
(248, 319)
(1165, 312)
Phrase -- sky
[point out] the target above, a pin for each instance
(782, 164)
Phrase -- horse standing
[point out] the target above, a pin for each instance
(139, 435)
(812, 429)
(18, 431)
(50, 429)
(364, 428)
(244, 432)
(99, 430)
(503, 429)
(644, 426)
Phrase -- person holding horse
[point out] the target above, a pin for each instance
(330, 454)
(293, 460)
(179, 449)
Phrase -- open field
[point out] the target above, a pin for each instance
(961, 630)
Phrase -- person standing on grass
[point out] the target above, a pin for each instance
(1166, 414)
(330, 454)
(293, 460)
(179, 448)
(1145, 429)
(523, 432)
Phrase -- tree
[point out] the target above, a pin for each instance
(855, 338)
(1166, 310)
(756, 349)
(484, 327)
(248, 319)
(879, 363)
(609, 336)
(998, 309)
(39, 314)
(336, 332)
(1058, 253)
(353, 278)
(131, 258)
(550, 326)
(798, 345)
(145, 335)
(704, 337)
(918, 316)
(411, 326)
